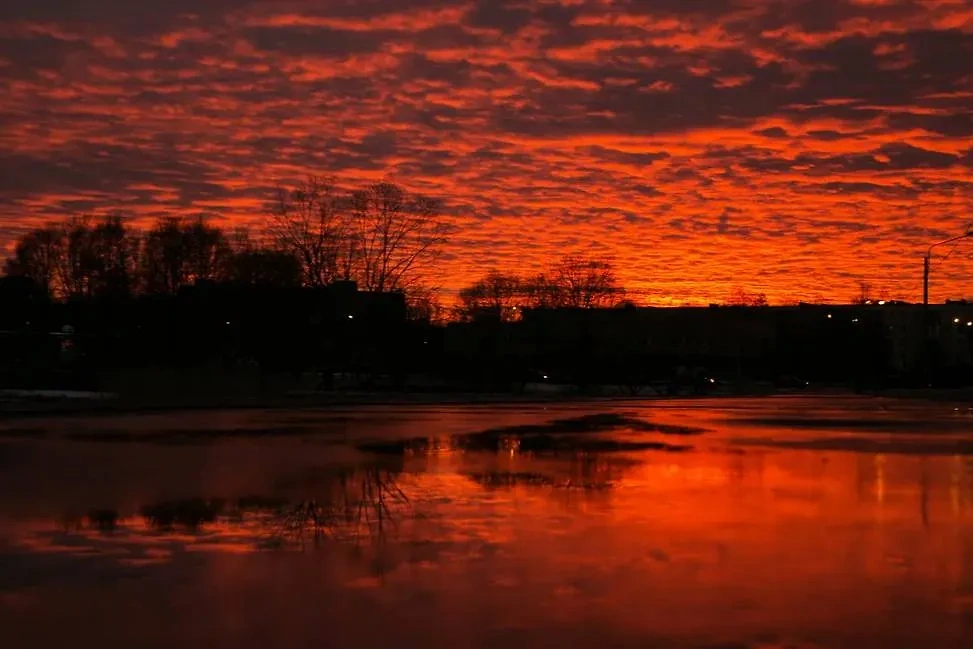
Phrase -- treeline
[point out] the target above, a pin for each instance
(574, 282)
(381, 236)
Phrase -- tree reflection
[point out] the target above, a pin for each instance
(356, 504)
(339, 504)
(585, 472)
(190, 513)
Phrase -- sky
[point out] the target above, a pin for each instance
(790, 147)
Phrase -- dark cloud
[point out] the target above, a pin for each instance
(905, 156)
(109, 170)
(661, 129)
(504, 15)
(32, 54)
(774, 132)
(121, 16)
(311, 41)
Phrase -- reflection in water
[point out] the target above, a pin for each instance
(750, 546)
(580, 434)
(104, 520)
(350, 504)
(186, 513)
(585, 472)
(365, 501)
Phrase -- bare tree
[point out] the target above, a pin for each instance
(740, 297)
(423, 304)
(176, 253)
(163, 258)
(116, 247)
(97, 259)
(587, 282)
(498, 295)
(395, 233)
(207, 252)
(864, 293)
(542, 292)
(36, 257)
(76, 264)
(239, 239)
(575, 282)
(311, 223)
(265, 267)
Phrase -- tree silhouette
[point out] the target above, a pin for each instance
(97, 260)
(116, 248)
(574, 282)
(382, 237)
(77, 263)
(207, 251)
(586, 283)
(395, 234)
(177, 253)
(262, 267)
(740, 297)
(498, 295)
(864, 293)
(312, 223)
(542, 292)
(36, 257)
(424, 305)
(163, 257)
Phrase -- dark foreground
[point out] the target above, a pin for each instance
(763, 523)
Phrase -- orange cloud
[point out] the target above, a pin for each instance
(787, 146)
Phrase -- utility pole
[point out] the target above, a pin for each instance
(926, 338)
(925, 279)
(926, 261)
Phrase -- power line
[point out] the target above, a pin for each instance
(969, 227)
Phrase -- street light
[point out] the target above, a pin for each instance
(928, 257)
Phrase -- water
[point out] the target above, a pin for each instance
(763, 523)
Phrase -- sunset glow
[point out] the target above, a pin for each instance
(795, 147)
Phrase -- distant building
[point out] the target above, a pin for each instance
(827, 342)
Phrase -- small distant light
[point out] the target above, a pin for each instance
(881, 302)
(829, 316)
(228, 322)
(855, 320)
(712, 380)
(955, 320)
(351, 317)
(969, 324)
(544, 377)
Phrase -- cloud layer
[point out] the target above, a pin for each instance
(786, 146)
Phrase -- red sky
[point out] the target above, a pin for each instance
(791, 147)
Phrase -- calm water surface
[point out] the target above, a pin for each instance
(742, 523)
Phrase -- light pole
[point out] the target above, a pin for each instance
(927, 340)
(928, 257)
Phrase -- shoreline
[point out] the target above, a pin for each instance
(26, 408)
(98, 407)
